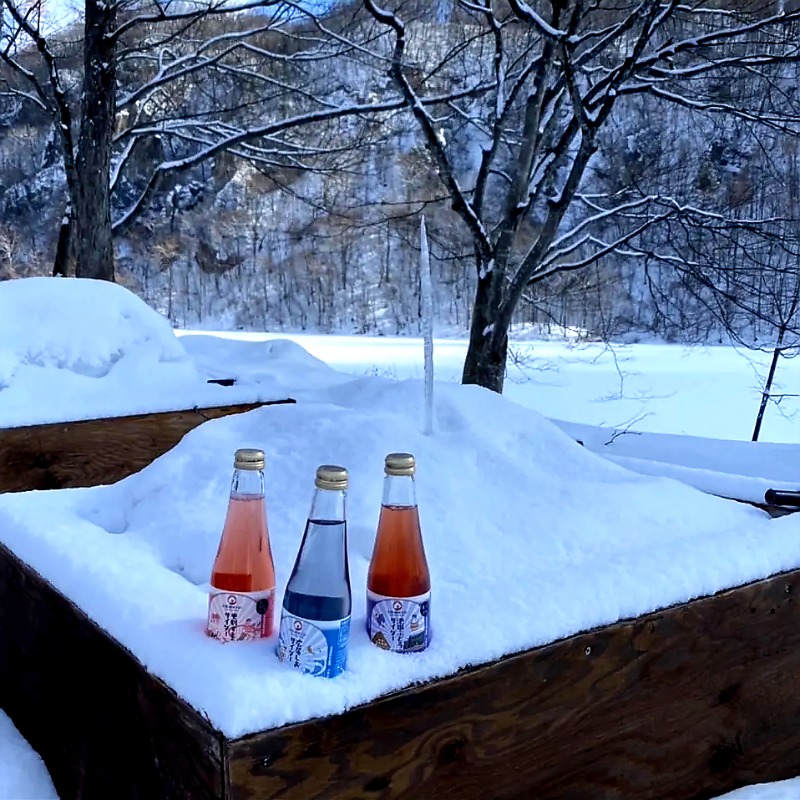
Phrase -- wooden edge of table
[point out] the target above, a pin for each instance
(97, 451)
(685, 703)
(105, 727)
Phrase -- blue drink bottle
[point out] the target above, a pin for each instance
(315, 619)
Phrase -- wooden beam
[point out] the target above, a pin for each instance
(96, 451)
(105, 727)
(689, 702)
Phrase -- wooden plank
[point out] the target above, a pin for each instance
(97, 451)
(106, 728)
(686, 703)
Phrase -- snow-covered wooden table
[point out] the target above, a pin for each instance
(685, 703)
(598, 633)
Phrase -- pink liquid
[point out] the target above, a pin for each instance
(244, 558)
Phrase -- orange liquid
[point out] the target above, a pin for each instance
(399, 567)
(244, 559)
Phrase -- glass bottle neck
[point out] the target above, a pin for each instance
(399, 490)
(247, 482)
(328, 504)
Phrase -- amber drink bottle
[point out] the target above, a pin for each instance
(240, 604)
(399, 582)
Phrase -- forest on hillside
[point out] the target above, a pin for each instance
(683, 224)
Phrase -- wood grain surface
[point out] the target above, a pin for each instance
(683, 704)
(106, 728)
(97, 451)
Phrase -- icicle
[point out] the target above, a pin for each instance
(426, 289)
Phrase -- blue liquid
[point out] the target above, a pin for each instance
(314, 606)
(319, 586)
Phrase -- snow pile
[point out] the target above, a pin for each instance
(76, 349)
(530, 537)
(278, 362)
(23, 775)
(702, 390)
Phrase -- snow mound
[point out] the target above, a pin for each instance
(530, 538)
(81, 326)
(74, 348)
(280, 362)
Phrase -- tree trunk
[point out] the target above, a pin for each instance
(92, 237)
(765, 395)
(485, 364)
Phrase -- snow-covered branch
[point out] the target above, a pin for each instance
(56, 101)
(461, 204)
(192, 11)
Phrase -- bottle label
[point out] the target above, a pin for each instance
(312, 646)
(399, 624)
(240, 616)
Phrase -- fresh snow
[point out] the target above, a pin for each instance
(704, 391)
(94, 349)
(23, 775)
(710, 393)
(728, 468)
(780, 790)
(507, 500)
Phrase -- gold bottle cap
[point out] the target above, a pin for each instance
(331, 476)
(399, 464)
(248, 458)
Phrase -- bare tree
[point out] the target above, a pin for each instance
(181, 102)
(561, 71)
(784, 347)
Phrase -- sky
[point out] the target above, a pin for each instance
(60, 13)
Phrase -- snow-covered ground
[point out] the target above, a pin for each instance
(507, 498)
(780, 790)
